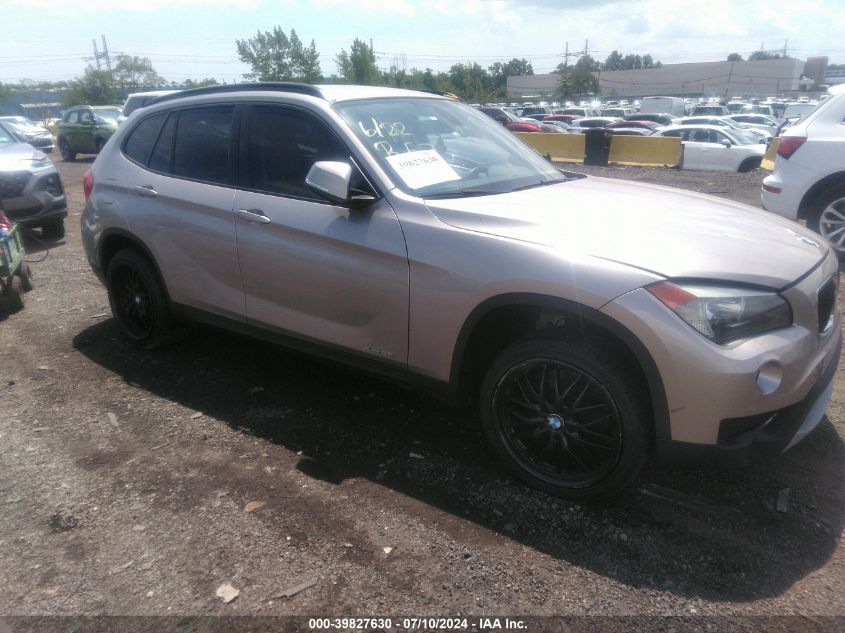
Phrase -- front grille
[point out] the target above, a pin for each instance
(12, 183)
(827, 304)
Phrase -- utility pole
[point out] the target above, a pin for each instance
(566, 57)
(785, 44)
(96, 54)
(106, 53)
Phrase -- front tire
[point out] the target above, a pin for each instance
(138, 301)
(566, 418)
(827, 217)
(64, 150)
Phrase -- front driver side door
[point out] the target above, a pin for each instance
(310, 268)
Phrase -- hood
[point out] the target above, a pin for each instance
(670, 232)
(15, 156)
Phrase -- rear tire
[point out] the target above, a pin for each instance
(826, 216)
(138, 301)
(566, 417)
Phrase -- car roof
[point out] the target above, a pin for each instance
(331, 93)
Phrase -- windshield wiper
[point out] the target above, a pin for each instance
(542, 183)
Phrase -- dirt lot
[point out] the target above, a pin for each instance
(137, 483)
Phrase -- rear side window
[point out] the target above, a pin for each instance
(140, 143)
(202, 150)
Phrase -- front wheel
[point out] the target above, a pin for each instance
(138, 301)
(64, 150)
(565, 418)
(827, 217)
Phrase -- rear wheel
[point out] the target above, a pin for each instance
(565, 418)
(827, 217)
(138, 301)
(64, 150)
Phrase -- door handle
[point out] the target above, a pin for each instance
(253, 215)
(146, 191)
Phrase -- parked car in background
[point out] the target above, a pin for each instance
(579, 125)
(808, 181)
(715, 148)
(25, 131)
(577, 111)
(762, 136)
(31, 190)
(671, 106)
(756, 121)
(661, 118)
(648, 126)
(757, 108)
(798, 109)
(543, 110)
(710, 110)
(566, 118)
(139, 100)
(450, 255)
(85, 130)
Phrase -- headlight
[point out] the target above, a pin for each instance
(724, 314)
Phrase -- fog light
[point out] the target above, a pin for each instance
(769, 377)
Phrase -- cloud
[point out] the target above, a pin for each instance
(136, 5)
(402, 7)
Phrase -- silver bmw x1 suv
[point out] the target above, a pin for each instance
(410, 235)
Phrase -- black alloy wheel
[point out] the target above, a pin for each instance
(138, 300)
(565, 417)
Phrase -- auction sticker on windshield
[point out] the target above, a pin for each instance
(422, 168)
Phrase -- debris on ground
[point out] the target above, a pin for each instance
(227, 592)
(112, 419)
(252, 506)
(292, 591)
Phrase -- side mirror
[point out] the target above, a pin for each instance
(501, 118)
(726, 142)
(332, 179)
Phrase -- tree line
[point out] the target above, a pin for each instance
(279, 56)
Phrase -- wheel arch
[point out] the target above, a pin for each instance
(114, 240)
(817, 190)
(504, 319)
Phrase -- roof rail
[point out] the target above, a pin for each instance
(278, 86)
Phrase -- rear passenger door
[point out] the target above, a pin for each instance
(178, 197)
(311, 268)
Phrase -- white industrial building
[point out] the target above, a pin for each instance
(704, 79)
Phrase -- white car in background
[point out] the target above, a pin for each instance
(725, 121)
(757, 122)
(808, 181)
(714, 148)
(139, 100)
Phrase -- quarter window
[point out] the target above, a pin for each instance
(283, 144)
(202, 150)
(163, 150)
(140, 143)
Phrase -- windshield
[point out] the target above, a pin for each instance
(435, 147)
(5, 137)
(107, 116)
(744, 137)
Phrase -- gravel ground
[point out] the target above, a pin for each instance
(138, 483)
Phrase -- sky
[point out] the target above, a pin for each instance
(196, 38)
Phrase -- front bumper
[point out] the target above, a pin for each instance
(713, 395)
(42, 199)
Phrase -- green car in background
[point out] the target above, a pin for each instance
(85, 129)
